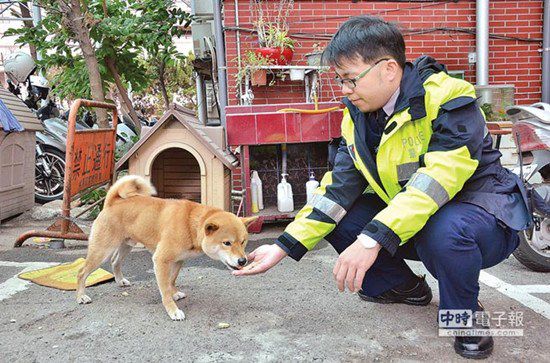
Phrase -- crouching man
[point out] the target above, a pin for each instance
(415, 177)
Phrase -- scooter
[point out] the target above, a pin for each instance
(51, 150)
(531, 131)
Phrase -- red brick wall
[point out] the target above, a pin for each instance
(511, 61)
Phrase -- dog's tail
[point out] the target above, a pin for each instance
(127, 187)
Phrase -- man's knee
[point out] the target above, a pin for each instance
(446, 245)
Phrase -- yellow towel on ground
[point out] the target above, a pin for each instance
(63, 277)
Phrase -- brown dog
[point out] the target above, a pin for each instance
(173, 230)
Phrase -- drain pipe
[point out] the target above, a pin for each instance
(238, 36)
(201, 100)
(482, 47)
(220, 59)
(545, 53)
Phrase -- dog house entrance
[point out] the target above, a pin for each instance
(176, 174)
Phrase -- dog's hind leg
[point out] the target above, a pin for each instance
(116, 262)
(176, 295)
(96, 255)
(163, 269)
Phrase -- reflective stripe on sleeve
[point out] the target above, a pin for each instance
(431, 187)
(405, 171)
(332, 209)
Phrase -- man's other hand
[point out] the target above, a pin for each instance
(262, 259)
(353, 264)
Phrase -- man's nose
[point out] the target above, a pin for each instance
(241, 261)
(347, 90)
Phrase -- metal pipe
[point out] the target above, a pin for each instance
(545, 53)
(238, 40)
(201, 99)
(220, 60)
(482, 42)
(36, 18)
(482, 49)
(284, 157)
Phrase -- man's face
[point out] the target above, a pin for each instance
(374, 88)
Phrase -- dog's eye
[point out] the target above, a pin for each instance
(227, 243)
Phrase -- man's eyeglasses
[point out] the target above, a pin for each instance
(351, 83)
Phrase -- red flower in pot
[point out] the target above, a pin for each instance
(275, 44)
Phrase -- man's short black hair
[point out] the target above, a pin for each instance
(368, 38)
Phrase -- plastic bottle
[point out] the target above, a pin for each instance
(258, 182)
(254, 197)
(257, 193)
(285, 200)
(311, 185)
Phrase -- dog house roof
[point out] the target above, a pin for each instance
(20, 111)
(187, 118)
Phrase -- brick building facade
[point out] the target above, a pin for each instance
(442, 29)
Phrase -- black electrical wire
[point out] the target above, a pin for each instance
(406, 32)
(381, 12)
(468, 31)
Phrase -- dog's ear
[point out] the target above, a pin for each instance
(248, 221)
(210, 228)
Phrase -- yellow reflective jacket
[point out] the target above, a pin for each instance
(434, 147)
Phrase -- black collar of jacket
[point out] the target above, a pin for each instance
(411, 95)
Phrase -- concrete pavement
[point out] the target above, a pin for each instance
(293, 312)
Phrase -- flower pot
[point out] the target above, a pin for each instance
(279, 57)
(297, 74)
(314, 59)
(259, 77)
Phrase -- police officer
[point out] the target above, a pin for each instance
(415, 177)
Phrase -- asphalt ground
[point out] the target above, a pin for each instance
(292, 313)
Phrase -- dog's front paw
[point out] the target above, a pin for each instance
(83, 299)
(123, 283)
(177, 315)
(179, 295)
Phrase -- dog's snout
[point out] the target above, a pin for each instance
(242, 261)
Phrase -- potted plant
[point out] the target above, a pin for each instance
(314, 58)
(251, 67)
(272, 32)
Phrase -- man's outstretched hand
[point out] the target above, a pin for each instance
(262, 259)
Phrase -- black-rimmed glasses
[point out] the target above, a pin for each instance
(351, 83)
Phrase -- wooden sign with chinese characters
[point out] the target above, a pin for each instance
(93, 159)
(90, 161)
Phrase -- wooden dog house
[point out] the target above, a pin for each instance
(17, 157)
(183, 159)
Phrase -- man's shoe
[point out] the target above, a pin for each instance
(474, 347)
(414, 292)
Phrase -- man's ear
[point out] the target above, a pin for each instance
(392, 69)
(210, 228)
(249, 220)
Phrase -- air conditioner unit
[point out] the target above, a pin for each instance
(202, 8)
(199, 33)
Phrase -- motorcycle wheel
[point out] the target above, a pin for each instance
(531, 256)
(48, 188)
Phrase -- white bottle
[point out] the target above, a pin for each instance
(254, 193)
(311, 185)
(285, 200)
(258, 182)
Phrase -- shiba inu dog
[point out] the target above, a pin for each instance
(173, 230)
